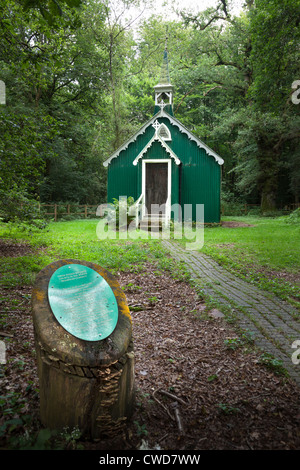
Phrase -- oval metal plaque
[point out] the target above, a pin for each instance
(83, 302)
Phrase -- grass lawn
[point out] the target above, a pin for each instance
(77, 240)
(267, 242)
(266, 251)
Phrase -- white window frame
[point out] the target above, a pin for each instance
(163, 126)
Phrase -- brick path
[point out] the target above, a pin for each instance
(269, 319)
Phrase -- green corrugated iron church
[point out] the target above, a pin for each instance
(164, 166)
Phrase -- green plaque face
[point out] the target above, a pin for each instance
(83, 302)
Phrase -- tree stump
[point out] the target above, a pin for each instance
(83, 384)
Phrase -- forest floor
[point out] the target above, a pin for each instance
(198, 386)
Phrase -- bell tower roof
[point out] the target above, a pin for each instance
(164, 74)
(164, 90)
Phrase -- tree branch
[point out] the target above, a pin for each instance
(211, 89)
(188, 18)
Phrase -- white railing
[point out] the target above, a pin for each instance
(137, 210)
(168, 211)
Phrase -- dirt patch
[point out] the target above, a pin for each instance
(192, 390)
(226, 245)
(285, 276)
(14, 249)
(234, 224)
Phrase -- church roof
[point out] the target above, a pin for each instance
(163, 114)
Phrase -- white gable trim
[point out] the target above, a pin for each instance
(199, 142)
(163, 144)
(173, 121)
(132, 139)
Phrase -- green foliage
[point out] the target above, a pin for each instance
(79, 81)
(294, 217)
(235, 84)
(256, 138)
(14, 419)
(51, 144)
(275, 53)
(141, 429)
(23, 135)
(20, 271)
(17, 207)
(121, 211)
(235, 343)
(52, 10)
(228, 409)
(273, 364)
(231, 204)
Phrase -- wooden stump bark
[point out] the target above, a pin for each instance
(83, 384)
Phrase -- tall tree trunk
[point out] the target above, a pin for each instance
(114, 93)
(268, 178)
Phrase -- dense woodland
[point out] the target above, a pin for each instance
(79, 79)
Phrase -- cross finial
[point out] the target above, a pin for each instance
(162, 104)
(156, 126)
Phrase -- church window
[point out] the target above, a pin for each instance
(164, 132)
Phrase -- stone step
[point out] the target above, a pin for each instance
(152, 222)
(153, 217)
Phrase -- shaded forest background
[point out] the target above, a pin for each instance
(79, 79)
